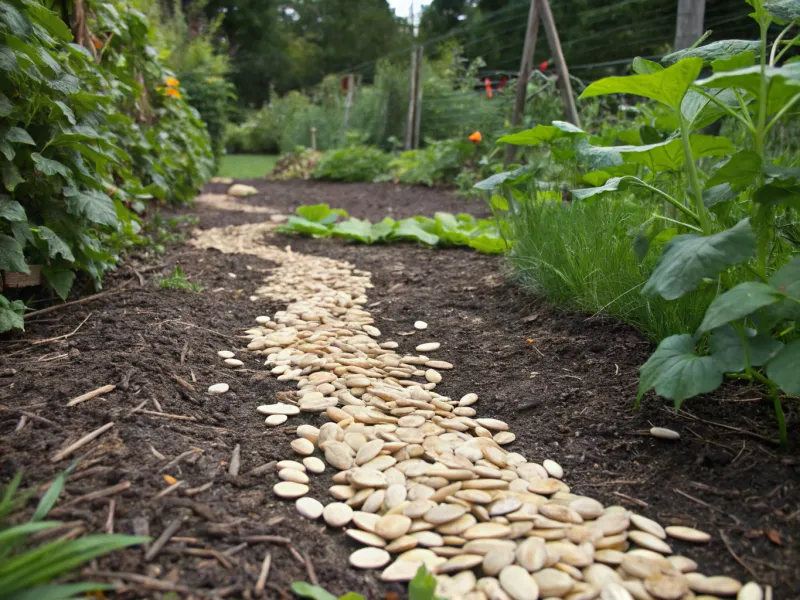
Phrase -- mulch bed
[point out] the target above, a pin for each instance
(564, 382)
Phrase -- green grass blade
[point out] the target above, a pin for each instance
(49, 498)
(8, 536)
(9, 501)
(59, 592)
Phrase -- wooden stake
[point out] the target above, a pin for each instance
(418, 103)
(348, 103)
(689, 24)
(414, 97)
(314, 139)
(525, 68)
(561, 65)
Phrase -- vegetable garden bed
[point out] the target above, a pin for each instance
(565, 384)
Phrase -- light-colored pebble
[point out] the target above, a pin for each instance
(290, 490)
(313, 464)
(302, 446)
(218, 388)
(420, 325)
(688, 534)
(337, 514)
(275, 420)
(226, 354)
(370, 558)
(663, 433)
(428, 347)
(518, 584)
(233, 362)
(309, 507)
(278, 409)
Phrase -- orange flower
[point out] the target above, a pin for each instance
(172, 92)
(172, 82)
(476, 137)
(98, 45)
(170, 479)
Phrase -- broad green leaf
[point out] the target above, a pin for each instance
(542, 134)
(17, 135)
(8, 60)
(732, 63)
(737, 303)
(677, 372)
(782, 83)
(13, 21)
(726, 348)
(488, 244)
(772, 195)
(51, 20)
(719, 194)
(301, 225)
(668, 86)
(783, 11)
(596, 178)
(306, 590)
(423, 586)
(787, 278)
(7, 150)
(688, 259)
(497, 202)
(65, 110)
(318, 213)
(723, 49)
(56, 246)
(642, 66)
(48, 166)
(669, 155)
(354, 229)
(701, 112)
(597, 158)
(5, 106)
(60, 279)
(11, 210)
(611, 185)
(783, 369)
(65, 83)
(510, 177)
(93, 205)
(739, 171)
(352, 596)
(10, 319)
(652, 233)
(11, 256)
(382, 229)
(409, 229)
(11, 175)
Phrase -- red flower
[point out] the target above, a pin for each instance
(543, 65)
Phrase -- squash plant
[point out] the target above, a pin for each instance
(749, 330)
(727, 212)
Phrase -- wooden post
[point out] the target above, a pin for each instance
(314, 139)
(348, 103)
(525, 68)
(418, 103)
(689, 26)
(561, 65)
(413, 97)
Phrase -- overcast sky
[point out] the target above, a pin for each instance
(401, 7)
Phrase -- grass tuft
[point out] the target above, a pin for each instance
(247, 166)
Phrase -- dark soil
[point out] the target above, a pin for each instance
(565, 383)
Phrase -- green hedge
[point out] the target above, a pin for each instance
(89, 133)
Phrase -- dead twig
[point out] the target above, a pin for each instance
(266, 539)
(183, 351)
(196, 326)
(636, 501)
(83, 300)
(139, 276)
(707, 505)
(179, 458)
(109, 491)
(35, 417)
(155, 413)
(312, 574)
(109, 527)
(266, 467)
(264, 574)
(156, 453)
(199, 489)
(616, 482)
(93, 394)
(53, 339)
(157, 546)
(148, 582)
(169, 490)
(184, 383)
(139, 407)
(233, 468)
(687, 415)
(62, 454)
(736, 557)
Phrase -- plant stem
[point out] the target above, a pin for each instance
(776, 43)
(680, 206)
(776, 403)
(742, 118)
(681, 223)
(694, 180)
(787, 48)
(784, 109)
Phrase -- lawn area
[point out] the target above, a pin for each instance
(247, 166)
